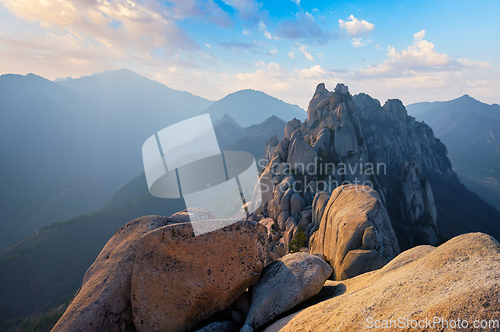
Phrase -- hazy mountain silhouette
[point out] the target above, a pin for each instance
(470, 130)
(227, 130)
(132, 99)
(464, 104)
(254, 137)
(67, 147)
(250, 107)
(458, 122)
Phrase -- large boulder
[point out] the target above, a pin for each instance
(318, 207)
(318, 96)
(457, 280)
(104, 301)
(302, 157)
(322, 143)
(281, 150)
(180, 279)
(296, 135)
(291, 126)
(285, 283)
(352, 211)
(297, 204)
(270, 146)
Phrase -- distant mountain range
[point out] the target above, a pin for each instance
(470, 130)
(67, 146)
(251, 139)
(249, 107)
(458, 122)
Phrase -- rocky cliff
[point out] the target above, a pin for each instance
(354, 140)
(452, 287)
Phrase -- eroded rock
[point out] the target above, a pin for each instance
(103, 302)
(285, 283)
(350, 212)
(180, 279)
(459, 279)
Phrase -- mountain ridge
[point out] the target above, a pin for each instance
(465, 125)
(250, 107)
(63, 146)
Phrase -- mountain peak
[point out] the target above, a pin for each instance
(248, 107)
(466, 97)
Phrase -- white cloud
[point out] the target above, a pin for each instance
(246, 32)
(291, 55)
(208, 45)
(420, 73)
(313, 72)
(355, 27)
(262, 27)
(273, 51)
(475, 64)
(294, 86)
(357, 42)
(420, 54)
(112, 24)
(307, 54)
(418, 57)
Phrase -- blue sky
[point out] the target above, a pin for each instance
(411, 50)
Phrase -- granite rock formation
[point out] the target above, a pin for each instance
(457, 280)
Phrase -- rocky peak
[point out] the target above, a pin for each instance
(395, 106)
(341, 88)
(324, 101)
(354, 140)
(320, 89)
(290, 127)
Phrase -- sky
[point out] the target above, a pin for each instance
(411, 50)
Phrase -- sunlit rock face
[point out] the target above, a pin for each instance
(456, 279)
(154, 258)
(355, 234)
(354, 140)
